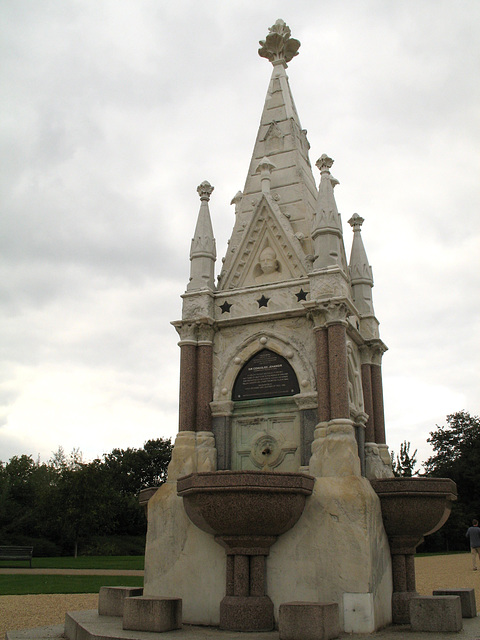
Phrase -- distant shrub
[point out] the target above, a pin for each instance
(113, 546)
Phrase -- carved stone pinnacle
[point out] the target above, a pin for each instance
(205, 190)
(278, 46)
(356, 222)
(324, 162)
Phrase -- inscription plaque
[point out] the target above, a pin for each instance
(265, 375)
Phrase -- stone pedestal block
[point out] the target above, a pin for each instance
(467, 600)
(308, 621)
(246, 613)
(110, 599)
(152, 613)
(436, 613)
(401, 606)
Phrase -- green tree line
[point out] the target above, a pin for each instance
(65, 505)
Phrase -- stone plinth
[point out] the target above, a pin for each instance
(111, 599)
(436, 613)
(157, 614)
(308, 621)
(467, 600)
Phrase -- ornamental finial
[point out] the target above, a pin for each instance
(204, 190)
(324, 162)
(278, 46)
(356, 222)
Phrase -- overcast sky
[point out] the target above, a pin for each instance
(114, 111)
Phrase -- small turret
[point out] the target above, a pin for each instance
(327, 233)
(203, 252)
(361, 276)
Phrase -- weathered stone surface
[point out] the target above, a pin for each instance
(338, 545)
(467, 600)
(308, 621)
(436, 613)
(111, 599)
(156, 614)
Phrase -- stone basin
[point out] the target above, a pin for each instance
(244, 503)
(411, 509)
(414, 507)
(246, 511)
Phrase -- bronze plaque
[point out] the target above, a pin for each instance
(265, 375)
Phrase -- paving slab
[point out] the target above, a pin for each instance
(470, 631)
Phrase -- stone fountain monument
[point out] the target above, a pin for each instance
(269, 496)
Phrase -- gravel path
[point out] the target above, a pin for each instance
(23, 612)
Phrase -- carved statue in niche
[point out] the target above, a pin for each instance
(268, 268)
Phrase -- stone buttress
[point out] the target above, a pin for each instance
(280, 369)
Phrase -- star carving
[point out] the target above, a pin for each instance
(263, 301)
(301, 295)
(225, 307)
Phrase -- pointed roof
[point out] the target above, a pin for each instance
(279, 158)
(361, 275)
(327, 232)
(203, 251)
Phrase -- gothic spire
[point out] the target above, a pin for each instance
(361, 275)
(327, 233)
(203, 251)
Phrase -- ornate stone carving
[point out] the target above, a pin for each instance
(205, 332)
(324, 162)
(356, 222)
(278, 46)
(377, 461)
(205, 190)
(187, 332)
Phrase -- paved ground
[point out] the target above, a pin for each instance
(433, 572)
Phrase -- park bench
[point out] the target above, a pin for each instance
(16, 553)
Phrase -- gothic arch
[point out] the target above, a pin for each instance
(262, 340)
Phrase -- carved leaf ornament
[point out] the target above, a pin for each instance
(278, 45)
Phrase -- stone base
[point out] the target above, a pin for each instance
(467, 600)
(110, 599)
(249, 613)
(436, 613)
(401, 606)
(144, 613)
(308, 621)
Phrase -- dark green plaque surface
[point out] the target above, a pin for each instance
(265, 375)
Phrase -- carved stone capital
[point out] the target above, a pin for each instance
(205, 190)
(316, 315)
(205, 331)
(278, 46)
(360, 419)
(336, 312)
(187, 332)
(377, 349)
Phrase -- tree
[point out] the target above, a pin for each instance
(404, 465)
(457, 455)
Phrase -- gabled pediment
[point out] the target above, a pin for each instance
(268, 252)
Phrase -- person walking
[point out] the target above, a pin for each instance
(473, 534)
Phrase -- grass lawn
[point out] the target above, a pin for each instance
(82, 562)
(21, 584)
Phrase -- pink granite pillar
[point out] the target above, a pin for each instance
(378, 411)
(337, 361)
(323, 379)
(368, 402)
(204, 387)
(188, 386)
